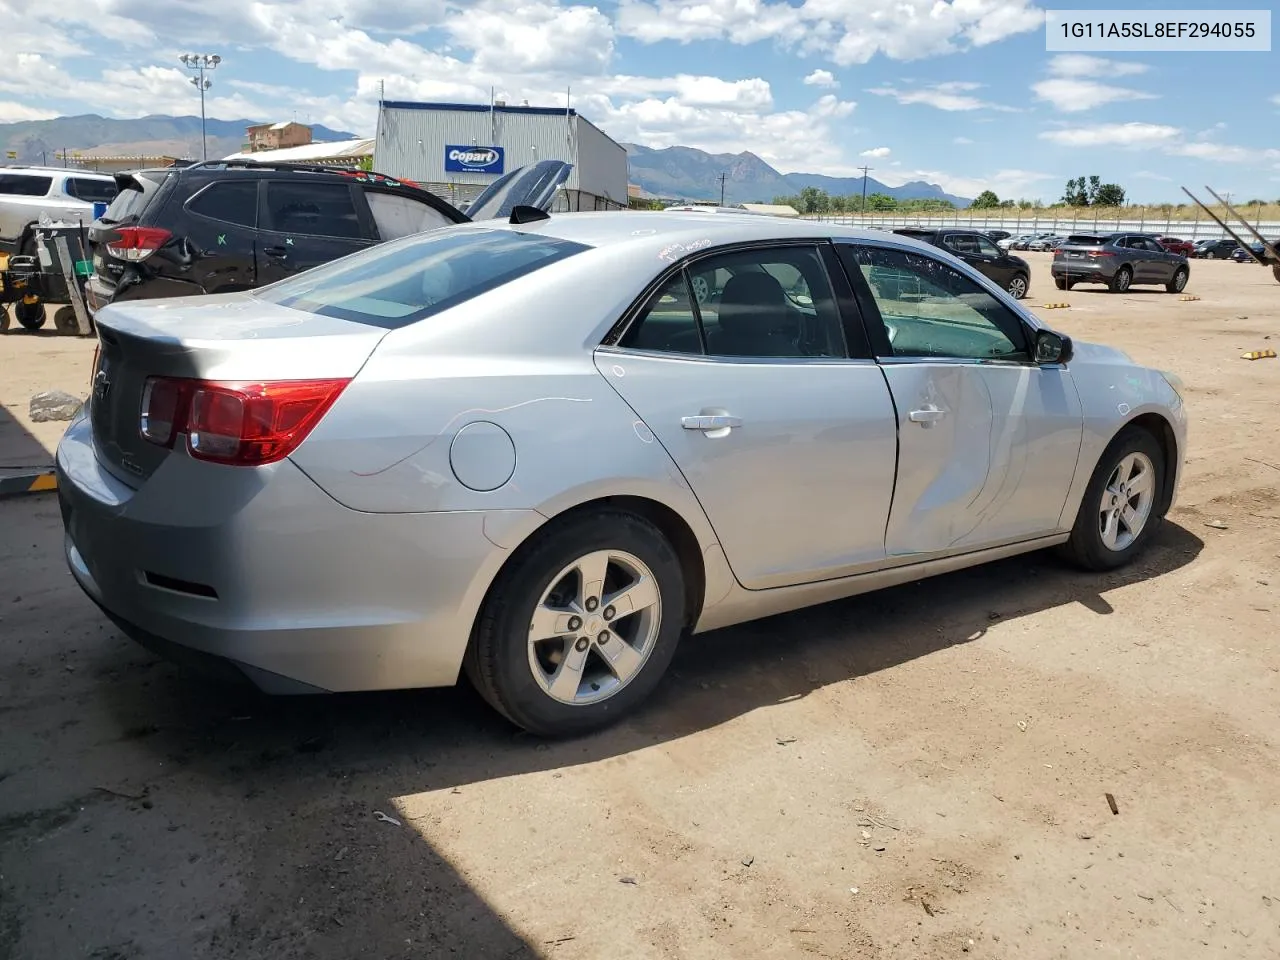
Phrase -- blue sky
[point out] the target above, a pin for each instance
(958, 92)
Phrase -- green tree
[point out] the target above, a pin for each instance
(813, 200)
(881, 202)
(1077, 193)
(986, 200)
(1108, 195)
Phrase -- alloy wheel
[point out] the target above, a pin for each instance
(1127, 500)
(594, 627)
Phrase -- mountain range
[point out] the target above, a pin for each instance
(683, 173)
(686, 173)
(37, 141)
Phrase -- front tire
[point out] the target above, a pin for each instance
(579, 628)
(1018, 286)
(1119, 512)
(1179, 281)
(1121, 281)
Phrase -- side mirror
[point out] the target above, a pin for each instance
(1052, 347)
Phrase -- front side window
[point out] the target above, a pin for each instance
(398, 283)
(91, 190)
(398, 216)
(987, 248)
(312, 209)
(930, 309)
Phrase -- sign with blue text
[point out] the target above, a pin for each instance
(458, 159)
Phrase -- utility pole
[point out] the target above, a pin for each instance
(721, 178)
(865, 171)
(199, 63)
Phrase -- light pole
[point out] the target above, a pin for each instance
(198, 63)
(865, 171)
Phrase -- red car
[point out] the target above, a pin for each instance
(1176, 245)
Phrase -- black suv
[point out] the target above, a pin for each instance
(980, 252)
(226, 226)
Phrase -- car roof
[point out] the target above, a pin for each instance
(692, 231)
(51, 172)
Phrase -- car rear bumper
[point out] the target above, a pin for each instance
(1081, 270)
(263, 575)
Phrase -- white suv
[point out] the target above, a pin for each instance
(27, 193)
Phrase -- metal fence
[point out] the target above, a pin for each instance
(1199, 229)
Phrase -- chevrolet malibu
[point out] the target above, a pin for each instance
(542, 451)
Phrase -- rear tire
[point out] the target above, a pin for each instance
(1179, 281)
(1115, 522)
(1121, 281)
(4, 318)
(518, 666)
(1275, 271)
(1060, 283)
(29, 315)
(1018, 286)
(65, 322)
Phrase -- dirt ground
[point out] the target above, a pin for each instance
(916, 774)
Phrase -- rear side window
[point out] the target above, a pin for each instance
(396, 215)
(1085, 240)
(312, 209)
(90, 190)
(24, 185)
(395, 284)
(231, 201)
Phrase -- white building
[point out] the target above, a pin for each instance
(455, 150)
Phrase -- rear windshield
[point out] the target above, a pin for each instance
(1086, 240)
(24, 185)
(130, 201)
(395, 284)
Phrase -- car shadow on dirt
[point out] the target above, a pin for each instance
(314, 770)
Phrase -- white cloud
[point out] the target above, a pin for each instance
(1073, 95)
(823, 78)
(1221, 152)
(952, 96)
(1006, 183)
(1148, 175)
(11, 112)
(1276, 99)
(848, 33)
(1082, 65)
(1171, 141)
(1114, 135)
(876, 152)
(962, 141)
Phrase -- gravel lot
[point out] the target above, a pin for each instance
(917, 774)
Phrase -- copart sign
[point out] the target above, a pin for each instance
(459, 159)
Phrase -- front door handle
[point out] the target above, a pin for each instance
(279, 253)
(710, 422)
(929, 415)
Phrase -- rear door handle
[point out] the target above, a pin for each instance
(280, 253)
(927, 416)
(710, 422)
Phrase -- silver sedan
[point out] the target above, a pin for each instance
(543, 451)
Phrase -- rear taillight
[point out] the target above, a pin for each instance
(244, 424)
(1100, 253)
(137, 243)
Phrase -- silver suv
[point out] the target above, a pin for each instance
(27, 193)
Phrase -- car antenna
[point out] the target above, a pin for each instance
(525, 214)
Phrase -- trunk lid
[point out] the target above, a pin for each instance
(533, 185)
(234, 337)
(135, 193)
